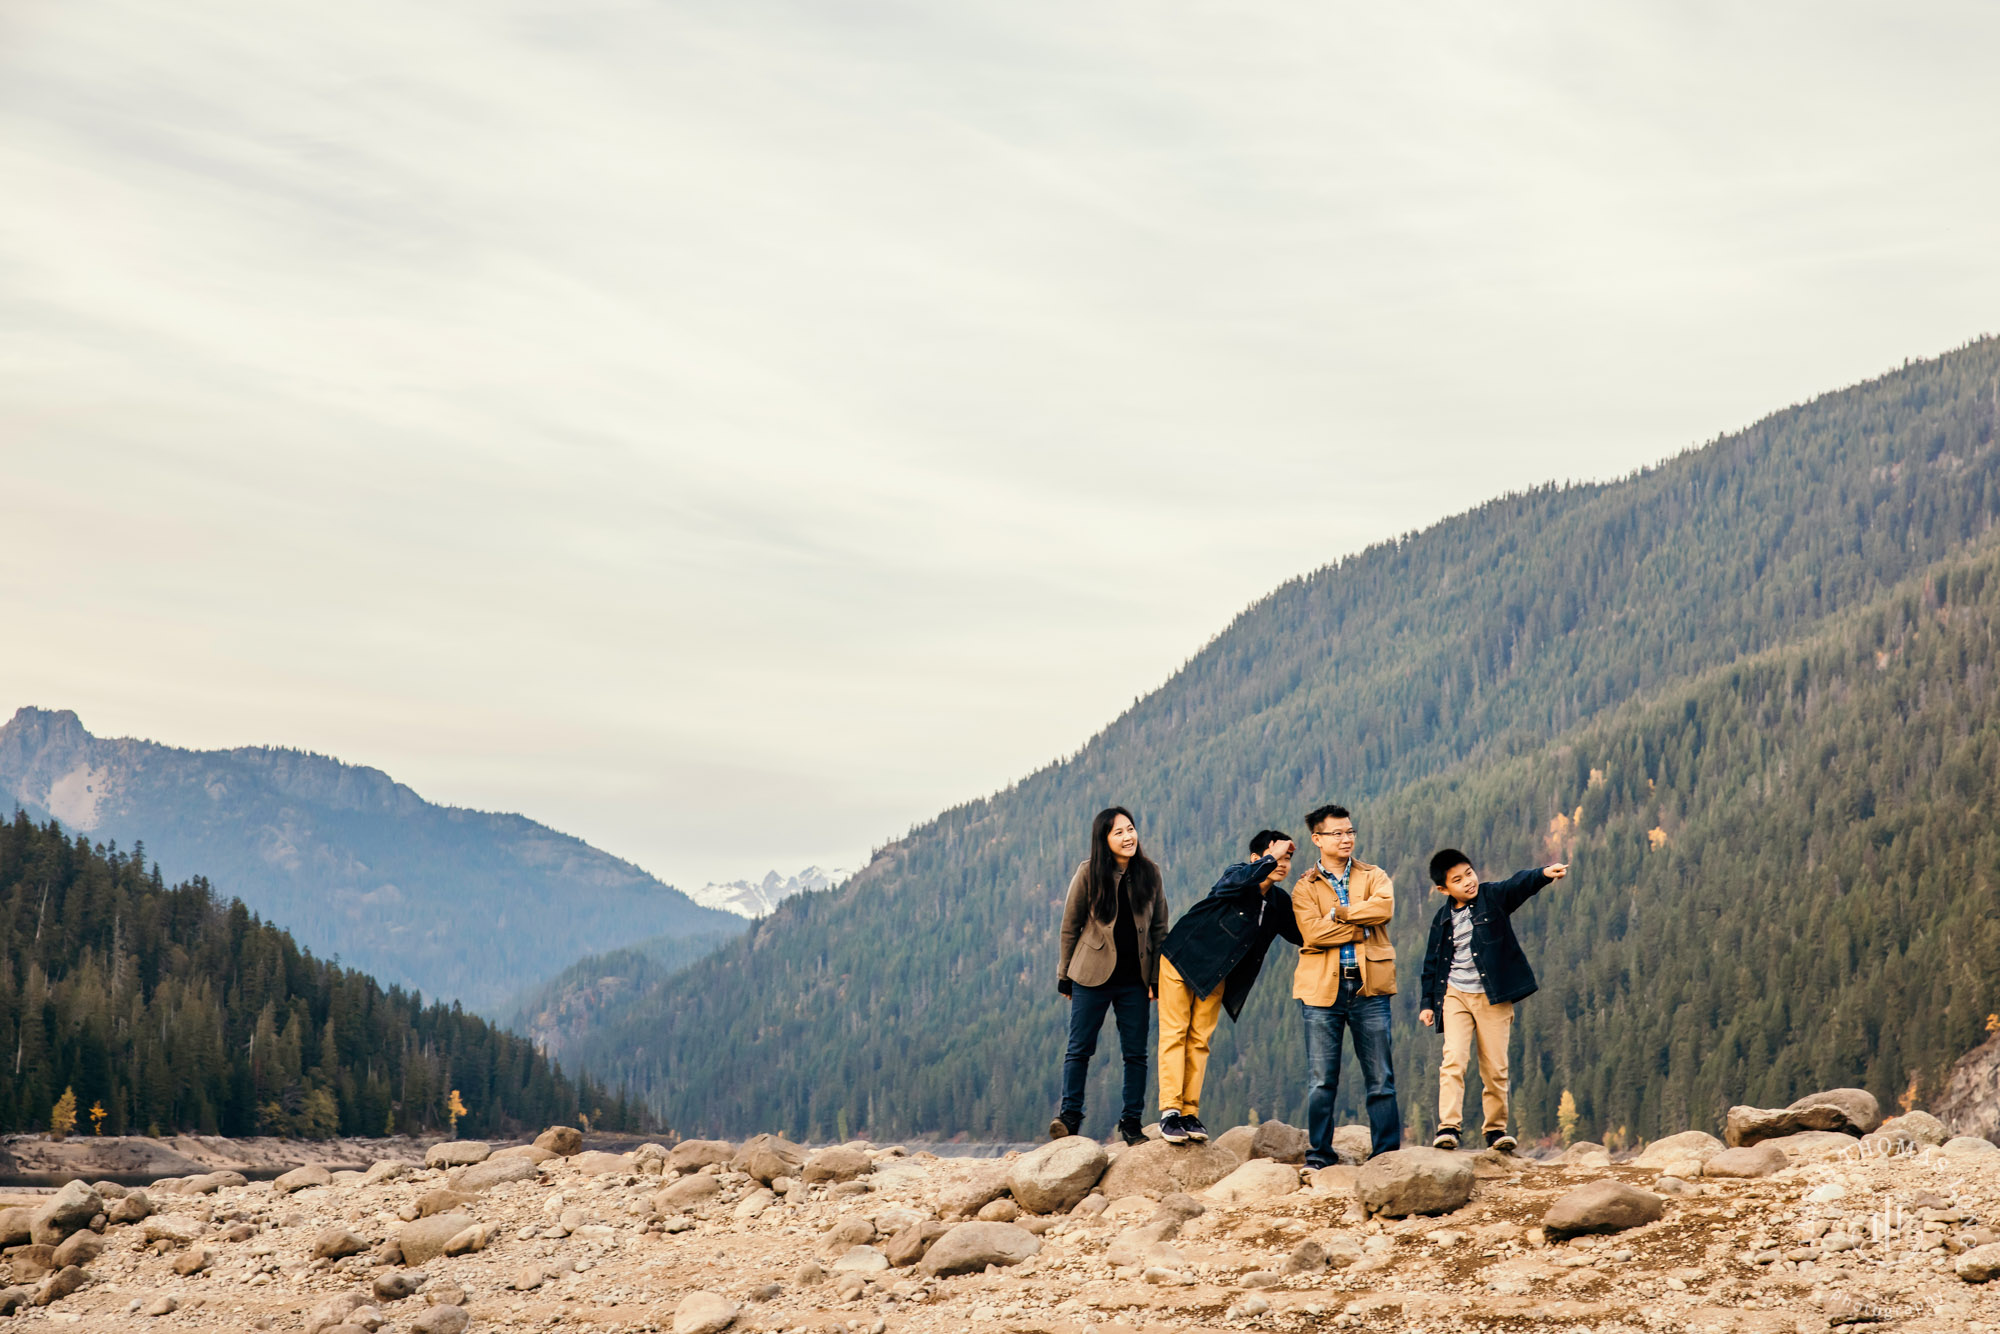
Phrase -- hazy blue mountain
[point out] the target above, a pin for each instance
(458, 904)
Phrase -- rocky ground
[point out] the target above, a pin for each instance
(1801, 1225)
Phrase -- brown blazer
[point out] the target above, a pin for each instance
(1325, 925)
(1088, 954)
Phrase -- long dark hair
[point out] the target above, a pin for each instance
(1141, 876)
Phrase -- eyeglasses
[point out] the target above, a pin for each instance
(1335, 834)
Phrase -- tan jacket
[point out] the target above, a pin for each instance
(1088, 954)
(1326, 925)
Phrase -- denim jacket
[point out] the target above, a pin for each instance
(1221, 940)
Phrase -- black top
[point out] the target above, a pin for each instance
(1124, 941)
(1221, 941)
(1503, 967)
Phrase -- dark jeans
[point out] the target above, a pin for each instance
(1367, 1017)
(1086, 1016)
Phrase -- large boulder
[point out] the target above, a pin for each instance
(1057, 1176)
(1747, 1161)
(302, 1178)
(704, 1313)
(15, 1225)
(1848, 1111)
(909, 1245)
(687, 1192)
(457, 1153)
(562, 1141)
(768, 1157)
(1280, 1143)
(1237, 1139)
(1813, 1144)
(691, 1155)
(837, 1164)
(425, 1239)
(1969, 1146)
(495, 1171)
(1981, 1264)
(1256, 1181)
(336, 1242)
(1158, 1168)
(70, 1210)
(1353, 1144)
(597, 1163)
(986, 1184)
(1690, 1146)
(1414, 1181)
(1917, 1127)
(1602, 1206)
(131, 1207)
(970, 1247)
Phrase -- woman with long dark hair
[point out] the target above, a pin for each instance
(1112, 926)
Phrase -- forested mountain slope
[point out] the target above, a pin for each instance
(173, 1010)
(460, 904)
(1805, 921)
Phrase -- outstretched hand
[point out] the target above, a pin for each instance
(1556, 872)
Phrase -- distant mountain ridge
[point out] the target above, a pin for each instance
(748, 899)
(1753, 694)
(458, 904)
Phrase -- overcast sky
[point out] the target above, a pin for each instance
(732, 432)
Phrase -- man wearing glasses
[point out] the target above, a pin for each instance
(1346, 974)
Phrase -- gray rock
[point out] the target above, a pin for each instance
(910, 1244)
(1848, 1111)
(490, 1173)
(335, 1242)
(15, 1225)
(838, 1164)
(441, 1320)
(13, 1299)
(1258, 1180)
(1414, 1181)
(1602, 1206)
(1696, 1146)
(808, 1274)
(562, 1141)
(691, 1155)
(1749, 1160)
(704, 1313)
(1002, 1210)
(1919, 1127)
(1980, 1264)
(302, 1178)
(1058, 1175)
(861, 1260)
(970, 1247)
(80, 1249)
(969, 1197)
(1968, 1146)
(1308, 1258)
(334, 1310)
(131, 1207)
(58, 1286)
(1353, 1144)
(164, 1304)
(1237, 1139)
(396, 1284)
(597, 1163)
(687, 1192)
(193, 1260)
(767, 1157)
(848, 1231)
(1158, 1168)
(425, 1239)
(457, 1153)
(1280, 1143)
(1262, 1278)
(69, 1210)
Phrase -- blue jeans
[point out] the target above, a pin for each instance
(1086, 1016)
(1367, 1017)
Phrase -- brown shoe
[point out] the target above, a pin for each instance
(1060, 1129)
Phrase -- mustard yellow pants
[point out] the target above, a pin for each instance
(1186, 1022)
(1470, 1017)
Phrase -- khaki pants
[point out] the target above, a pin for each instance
(1469, 1015)
(1186, 1021)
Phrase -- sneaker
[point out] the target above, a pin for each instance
(1173, 1128)
(1130, 1132)
(1196, 1131)
(1447, 1138)
(1501, 1142)
(1060, 1129)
